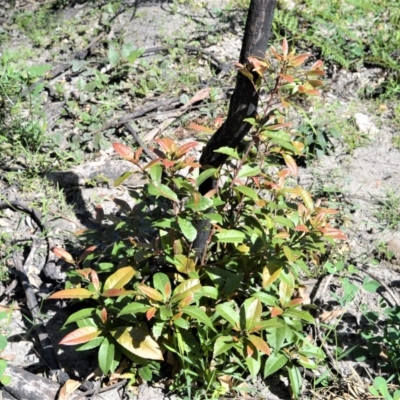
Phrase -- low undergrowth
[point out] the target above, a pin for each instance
(206, 323)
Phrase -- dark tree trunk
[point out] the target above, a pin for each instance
(243, 105)
(244, 100)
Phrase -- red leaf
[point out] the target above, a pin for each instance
(301, 228)
(77, 293)
(89, 250)
(288, 78)
(276, 311)
(298, 60)
(63, 254)
(167, 145)
(103, 315)
(333, 233)
(124, 151)
(81, 335)
(150, 313)
(199, 128)
(95, 279)
(185, 148)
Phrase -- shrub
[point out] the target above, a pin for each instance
(208, 323)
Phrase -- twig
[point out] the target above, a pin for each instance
(33, 306)
(222, 66)
(103, 390)
(140, 141)
(138, 113)
(35, 215)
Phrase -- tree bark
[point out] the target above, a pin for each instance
(243, 105)
(244, 100)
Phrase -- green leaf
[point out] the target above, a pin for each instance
(3, 366)
(113, 55)
(254, 365)
(3, 342)
(295, 380)
(230, 236)
(253, 310)
(222, 345)
(162, 284)
(198, 202)
(134, 55)
(198, 314)
(247, 192)
(96, 342)
(106, 355)
(294, 313)
(371, 285)
(226, 311)
(188, 230)
(5, 380)
(81, 314)
(156, 173)
(274, 363)
(248, 171)
(145, 373)
(162, 190)
(214, 217)
(276, 337)
(134, 308)
(122, 178)
(205, 175)
(266, 299)
(228, 151)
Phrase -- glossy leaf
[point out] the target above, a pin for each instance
(163, 191)
(230, 236)
(226, 311)
(260, 344)
(187, 228)
(77, 293)
(183, 264)
(162, 284)
(295, 380)
(138, 342)
(222, 345)
(119, 278)
(229, 152)
(199, 315)
(81, 335)
(208, 173)
(291, 163)
(274, 363)
(106, 355)
(150, 292)
(249, 192)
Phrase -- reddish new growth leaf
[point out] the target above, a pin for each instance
(182, 150)
(89, 250)
(103, 315)
(124, 151)
(63, 254)
(167, 145)
(81, 335)
(333, 233)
